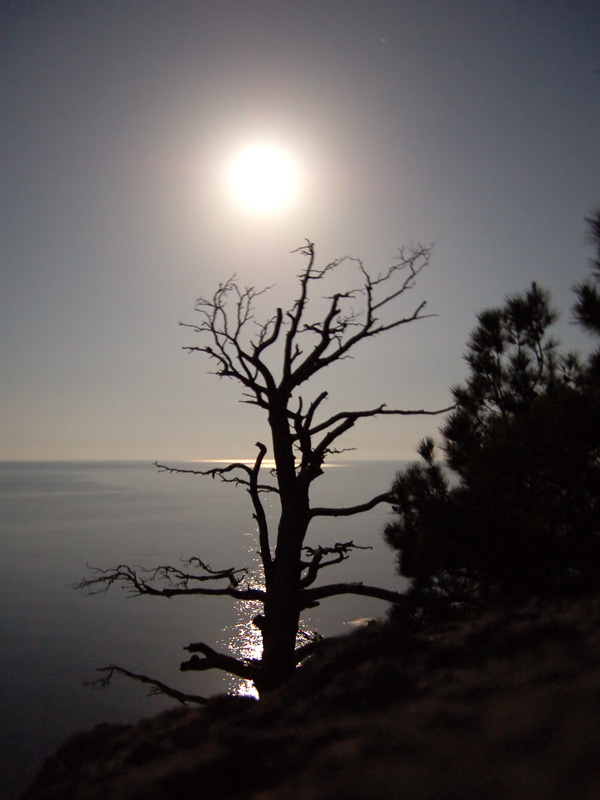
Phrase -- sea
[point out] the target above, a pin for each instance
(60, 520)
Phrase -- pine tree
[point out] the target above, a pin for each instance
(514, 511)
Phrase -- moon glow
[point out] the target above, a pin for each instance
(263, 178)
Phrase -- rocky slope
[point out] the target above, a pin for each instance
(505, 706)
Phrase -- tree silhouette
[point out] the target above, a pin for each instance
(273, 361)
(514, 511)
(586, 309)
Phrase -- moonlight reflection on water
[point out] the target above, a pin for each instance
(242, 637)
(245, 642)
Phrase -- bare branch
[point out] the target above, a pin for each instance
(349, 511)
(224, 319)
(295, 315)
(346, 419)
(222, 473)
(340, 331)
(259, 514)
(156, 687)
(253, 487)
(179, 581)
(245, 669)
(314, 595)
(341, 550)
(381, 410)
(269, 333)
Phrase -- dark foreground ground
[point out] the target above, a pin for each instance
(506, 706)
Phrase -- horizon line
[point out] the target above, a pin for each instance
(247, 461)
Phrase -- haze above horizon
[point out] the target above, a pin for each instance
(359, 126)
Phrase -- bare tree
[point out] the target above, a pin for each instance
(301, 439)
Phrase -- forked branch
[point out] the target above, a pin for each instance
(223, 474)
(156, 687)
(344, 324)
(178, 581)
(340, 551)
(254, 487)
(241, 668)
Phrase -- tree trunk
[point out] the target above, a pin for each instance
(282, 606)
(279, 625)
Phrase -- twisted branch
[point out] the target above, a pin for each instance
(241, 668)
(156, 687)
(341, 550)
(136, 585)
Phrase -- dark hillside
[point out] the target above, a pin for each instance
(506, 705)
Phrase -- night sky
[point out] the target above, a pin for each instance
(471, 125)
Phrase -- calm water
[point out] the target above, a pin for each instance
(57, 518)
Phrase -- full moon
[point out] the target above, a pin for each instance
(263, 178)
